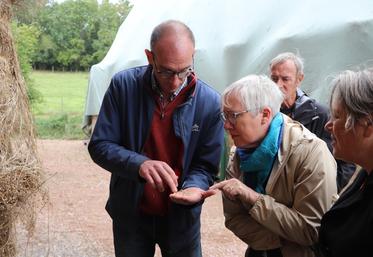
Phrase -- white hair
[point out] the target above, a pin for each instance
(255, 92)
(283, 57)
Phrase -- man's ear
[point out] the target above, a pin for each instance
(149, 56)
(266, 115)
(300, 78)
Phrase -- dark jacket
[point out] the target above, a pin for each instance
(314, 116)
(347, 228)
(121, 130)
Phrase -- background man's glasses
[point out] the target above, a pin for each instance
(167, 74)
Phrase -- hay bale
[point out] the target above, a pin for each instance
(21, 176)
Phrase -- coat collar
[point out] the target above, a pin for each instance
(304, 109)
(292, 131)
(355, 191)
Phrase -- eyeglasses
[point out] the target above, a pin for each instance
(231, 117)
(167, 74)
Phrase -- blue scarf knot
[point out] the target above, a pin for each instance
(257, 163)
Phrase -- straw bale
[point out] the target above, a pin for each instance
(21, 176)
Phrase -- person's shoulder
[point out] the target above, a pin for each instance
(206, 88)
(130, 79)
(129, 73)
(296, 132)
(302, 141)
(320, 108)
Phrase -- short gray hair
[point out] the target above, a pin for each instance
(283, 57)
(255, 92)
(354, 90)
(167, 26)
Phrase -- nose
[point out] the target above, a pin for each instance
(280, 83)
(175, 78)
(175, 81)
(227, 125)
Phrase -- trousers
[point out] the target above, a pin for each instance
(151, 230)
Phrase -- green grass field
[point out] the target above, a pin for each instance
(60, 113)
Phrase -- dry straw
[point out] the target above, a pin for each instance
(21, 177)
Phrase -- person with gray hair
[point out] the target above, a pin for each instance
(287, 72)
(280, 177)
(347, 228)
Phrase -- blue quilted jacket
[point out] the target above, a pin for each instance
(118, 139)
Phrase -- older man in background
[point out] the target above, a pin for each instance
(287, 72)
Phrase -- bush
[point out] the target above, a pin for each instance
(26, 39)
(61, 126)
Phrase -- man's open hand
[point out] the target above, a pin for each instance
(188, 196)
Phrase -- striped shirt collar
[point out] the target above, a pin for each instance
(156, 88)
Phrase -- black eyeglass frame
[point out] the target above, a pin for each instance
(167, 74)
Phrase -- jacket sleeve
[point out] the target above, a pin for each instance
(313, 191)
(206, 158)
(106, 147)
(317, 126)
(238, 219)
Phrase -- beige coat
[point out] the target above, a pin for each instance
(300, 189)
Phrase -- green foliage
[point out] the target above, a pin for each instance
(60, 126)
(53, 127)
(60, 114)
(46, 53)
(107, 20)
(77, 33)
(26, 40)
(25, 12)
(71, 35)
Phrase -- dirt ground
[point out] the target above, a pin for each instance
(75, 222)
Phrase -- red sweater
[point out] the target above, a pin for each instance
(163, 145)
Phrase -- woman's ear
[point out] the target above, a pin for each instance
(266, 115)
(368, 127)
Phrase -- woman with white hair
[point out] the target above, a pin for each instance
(280, 176)
(347, 228)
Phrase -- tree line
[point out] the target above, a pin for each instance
(68, 36)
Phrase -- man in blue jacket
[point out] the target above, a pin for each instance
(160, 135)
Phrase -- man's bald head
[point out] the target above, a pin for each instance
(170, 28)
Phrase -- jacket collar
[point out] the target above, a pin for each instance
(149, 80)
(355, 191)
(292, 132)
(304, 109)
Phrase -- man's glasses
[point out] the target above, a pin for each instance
(167, 74)
(231, 117)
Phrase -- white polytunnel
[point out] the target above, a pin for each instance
(239, 37)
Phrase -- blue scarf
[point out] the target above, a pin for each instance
(257, 163)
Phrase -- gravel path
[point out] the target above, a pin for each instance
(75, 222)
